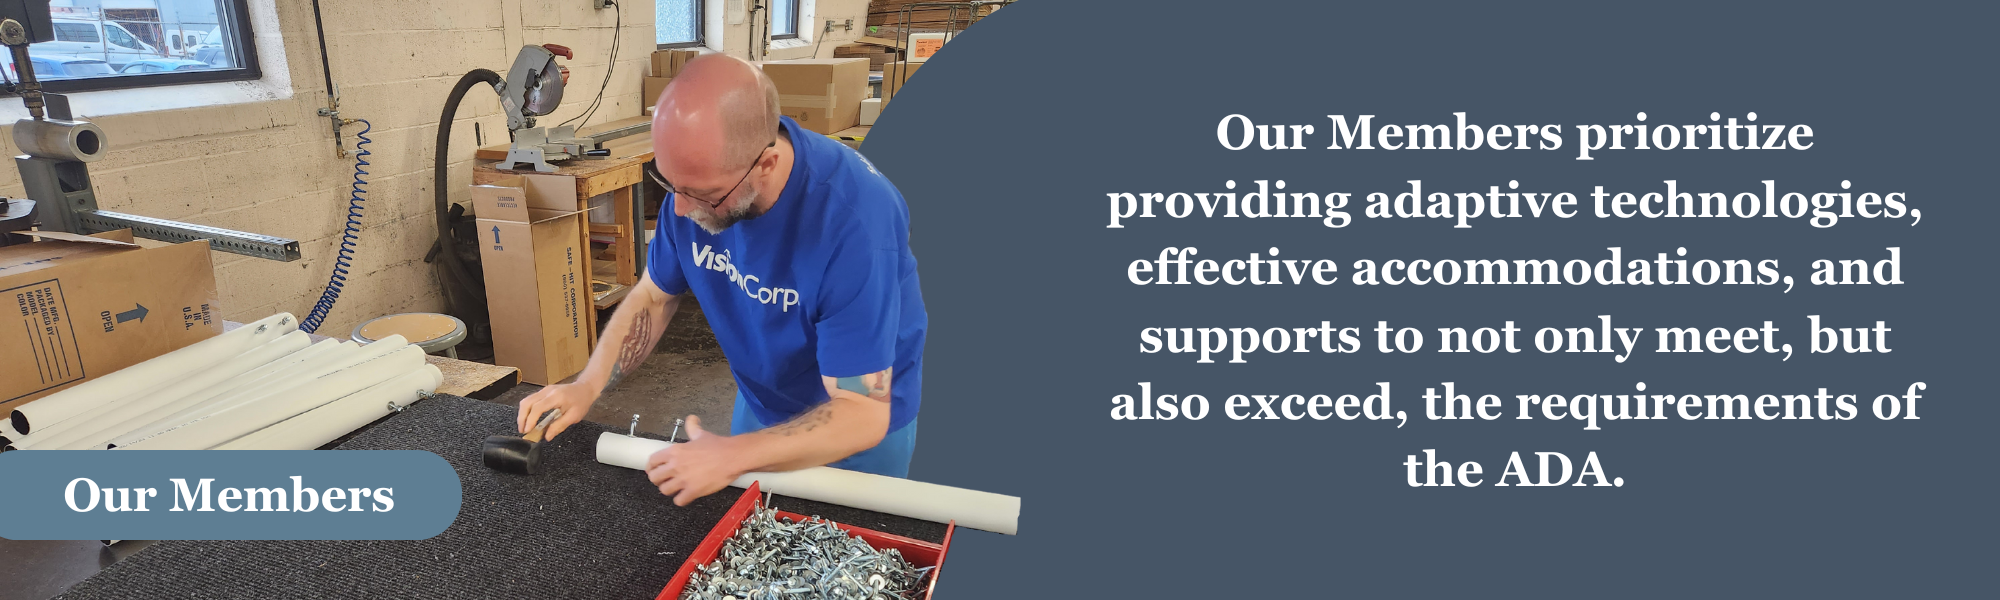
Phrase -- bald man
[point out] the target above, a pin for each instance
(798, 250)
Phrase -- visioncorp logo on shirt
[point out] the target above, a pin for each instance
(706, 257)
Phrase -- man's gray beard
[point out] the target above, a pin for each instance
(744, 210)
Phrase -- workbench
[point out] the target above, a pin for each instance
(579, 530)
(619, 178)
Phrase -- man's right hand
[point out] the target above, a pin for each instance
(629, 337)
(573, 398)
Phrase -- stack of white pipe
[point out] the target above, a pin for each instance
(261, 386)
(7, 434)
(867, 491)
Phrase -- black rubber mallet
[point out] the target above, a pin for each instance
(520, 455)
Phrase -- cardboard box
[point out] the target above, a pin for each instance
(823, 94)
(878, 41)
(536, 270)
(668, 63)
(871, 109)
(83, 306)
(876, 55)
(652, 88)
(895, 75)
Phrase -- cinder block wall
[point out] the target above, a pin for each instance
(270, 166)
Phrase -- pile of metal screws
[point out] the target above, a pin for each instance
(772, 558)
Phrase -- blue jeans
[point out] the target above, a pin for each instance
(891, 457)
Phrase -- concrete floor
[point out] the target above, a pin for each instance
(687, 375)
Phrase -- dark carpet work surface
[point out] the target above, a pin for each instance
(580, 529)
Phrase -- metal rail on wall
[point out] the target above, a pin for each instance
(972, 12)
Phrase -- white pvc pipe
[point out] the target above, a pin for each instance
(139, 419)
(270, 384)
(249, 386)
(333, 351)
(866, 491)
(84, 427)
(316, 427)
(281, 383)
(234, 422)
(621, 450)
(151, 374)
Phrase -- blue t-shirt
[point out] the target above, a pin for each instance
(822, 284)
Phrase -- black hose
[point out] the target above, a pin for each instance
(324, 68)
(455, 271)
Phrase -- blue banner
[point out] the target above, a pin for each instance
(226, 495)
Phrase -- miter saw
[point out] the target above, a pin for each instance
(533, 88)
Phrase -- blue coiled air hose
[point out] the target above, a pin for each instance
(348, 239)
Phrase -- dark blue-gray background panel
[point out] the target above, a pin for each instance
(1007, 143)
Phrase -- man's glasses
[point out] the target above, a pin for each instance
(662, 181)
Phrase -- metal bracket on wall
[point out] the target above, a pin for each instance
(332, 112)
(65, 201)
(89, 221)
(332, 109)
(219, 239)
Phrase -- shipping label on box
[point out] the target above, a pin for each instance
(823, 94)
(531, 251)
(75, 310)
(924, 45)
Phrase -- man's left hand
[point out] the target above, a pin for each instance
(701, 466)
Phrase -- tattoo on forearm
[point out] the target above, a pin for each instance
(873, 385)
(638, 345)
(812, 419)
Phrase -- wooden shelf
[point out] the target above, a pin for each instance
(610, 297)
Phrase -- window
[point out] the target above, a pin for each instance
(149, 43)
(119, 38)
(784, 19)
(75, 32)
(677, 23)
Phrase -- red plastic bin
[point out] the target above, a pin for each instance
(918, 552)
